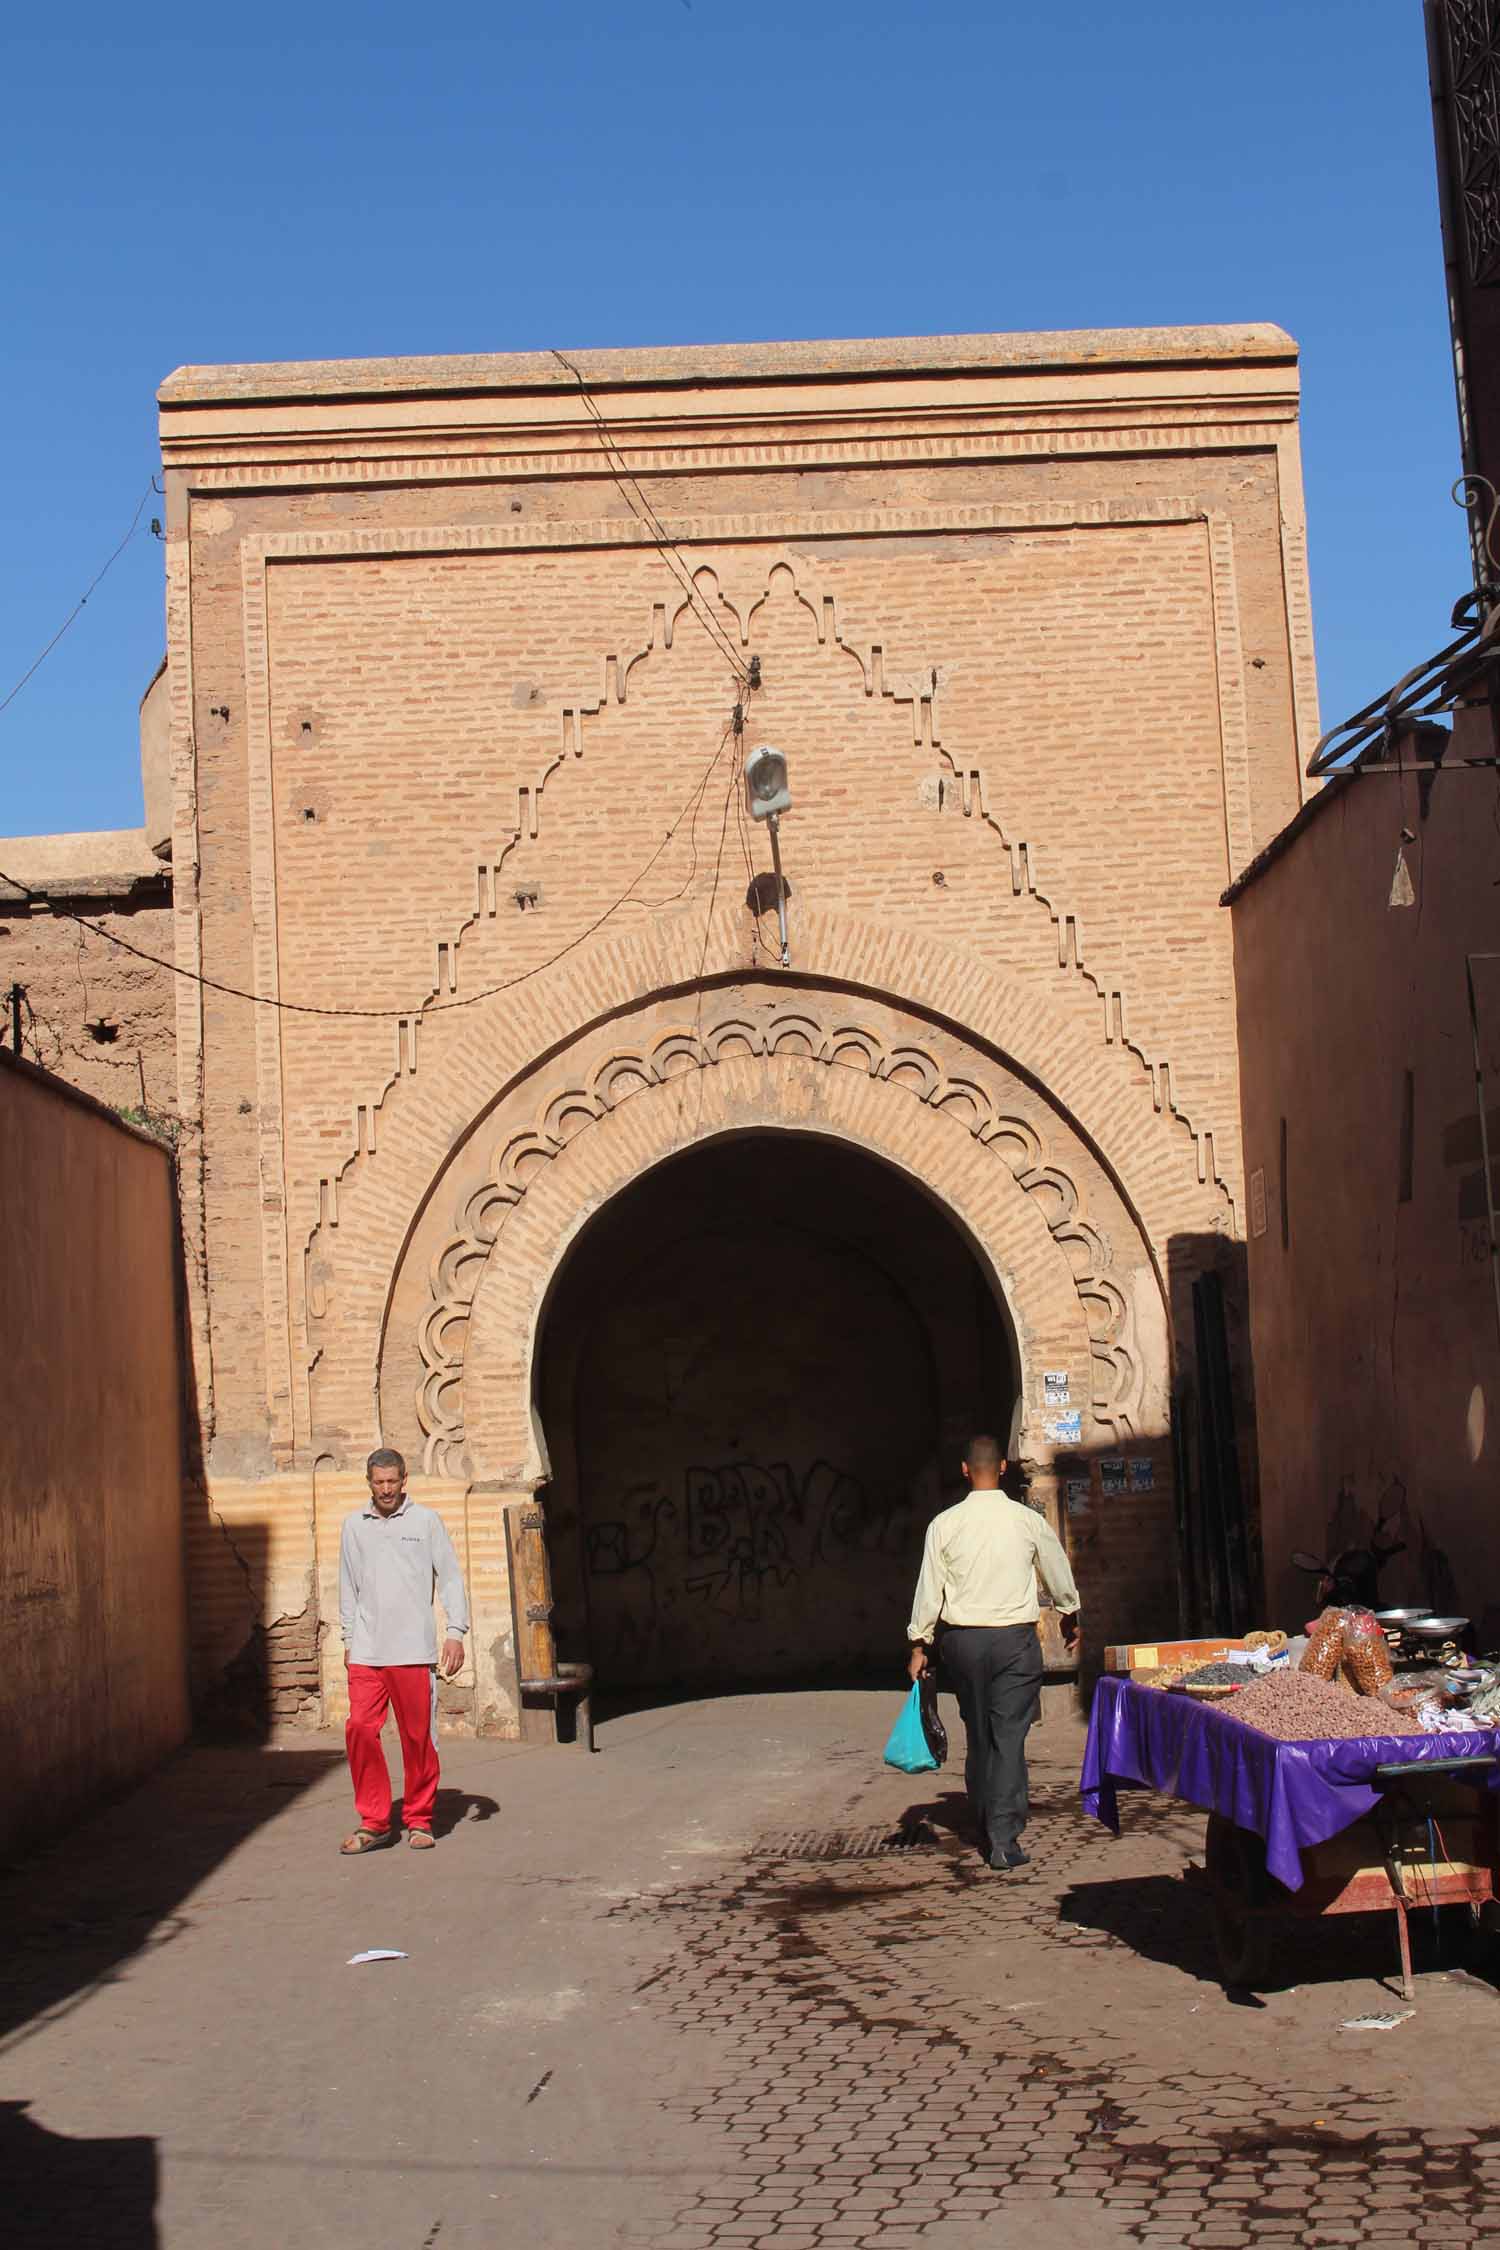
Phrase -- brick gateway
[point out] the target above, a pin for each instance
(1029, 622)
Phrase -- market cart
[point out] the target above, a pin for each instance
(1393, 1823)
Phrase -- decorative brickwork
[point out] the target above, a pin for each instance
(454, 765)
(798, 1036)
(950, 781)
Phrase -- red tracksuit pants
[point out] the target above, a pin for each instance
(410, 1690)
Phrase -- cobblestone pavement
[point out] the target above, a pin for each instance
(729, 1984)
(873, 2087)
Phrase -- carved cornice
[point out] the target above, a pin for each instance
(302, 463)
(340, 543)
(1107, 354)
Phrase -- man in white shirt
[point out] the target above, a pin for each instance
(391, 1556)
(979, 1575)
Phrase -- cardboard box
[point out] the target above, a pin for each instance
(1150, 1656)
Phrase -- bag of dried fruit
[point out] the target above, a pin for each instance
(1325, 1645)
(1367, 1658)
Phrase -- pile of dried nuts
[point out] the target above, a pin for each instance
(1300, 1707)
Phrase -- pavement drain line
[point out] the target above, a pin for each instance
(852, 2106)
(841, 1843)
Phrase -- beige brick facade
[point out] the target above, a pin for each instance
(452, 745)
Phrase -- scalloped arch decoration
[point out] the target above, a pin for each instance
(458, 1267)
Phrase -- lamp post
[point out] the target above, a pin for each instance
(769, 797)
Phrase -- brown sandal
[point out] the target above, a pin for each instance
(420, 1839)
(366, 1840)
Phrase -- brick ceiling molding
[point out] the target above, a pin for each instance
(1057, 1240)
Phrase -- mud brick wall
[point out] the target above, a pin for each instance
(91, 1565)
(1365, 1159)
(93, 1013)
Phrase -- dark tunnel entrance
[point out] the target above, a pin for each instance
(758, 1369)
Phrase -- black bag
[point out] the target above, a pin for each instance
(932, 1726)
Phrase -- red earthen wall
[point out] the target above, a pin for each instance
(94, 1684)
(75, 979)
(1377, 1360)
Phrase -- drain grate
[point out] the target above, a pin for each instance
(843, 1843)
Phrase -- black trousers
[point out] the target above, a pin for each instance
(997, 1673)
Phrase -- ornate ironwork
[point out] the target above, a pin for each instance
(1472, 493)
(1467, 670)
(1473, 29)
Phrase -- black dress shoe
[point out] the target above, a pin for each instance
(1006, 1856)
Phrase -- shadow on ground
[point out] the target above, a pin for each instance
(56, 2190)
(948, 1814)
(1157, 1916)
(1161, 1918)
(454, 1806)
(112, 1887)
(75, 1914)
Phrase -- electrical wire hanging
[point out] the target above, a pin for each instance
(80, 604)
(388, 1015)
(735, 728)
(655, 905)
(635, 499)
(641, 507)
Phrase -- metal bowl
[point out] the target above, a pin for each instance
(1437, 1628)
(1401, 1616)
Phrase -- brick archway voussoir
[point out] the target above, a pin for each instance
(504, 1444)
(1094, 1086)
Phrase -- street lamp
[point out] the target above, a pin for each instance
(769, 797)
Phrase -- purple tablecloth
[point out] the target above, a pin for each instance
(1292, 1793)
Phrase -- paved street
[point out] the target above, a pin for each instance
(729, 1983)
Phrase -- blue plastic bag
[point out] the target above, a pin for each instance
(907, 1749)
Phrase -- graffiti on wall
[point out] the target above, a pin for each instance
(622, 1551)
(746, 1531)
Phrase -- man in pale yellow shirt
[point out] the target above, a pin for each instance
(979, 1575)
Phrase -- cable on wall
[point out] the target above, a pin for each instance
(380, 1015)
(640, 507)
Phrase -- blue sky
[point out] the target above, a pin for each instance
(201, 185)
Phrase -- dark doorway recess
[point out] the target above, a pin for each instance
(757, 1372)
